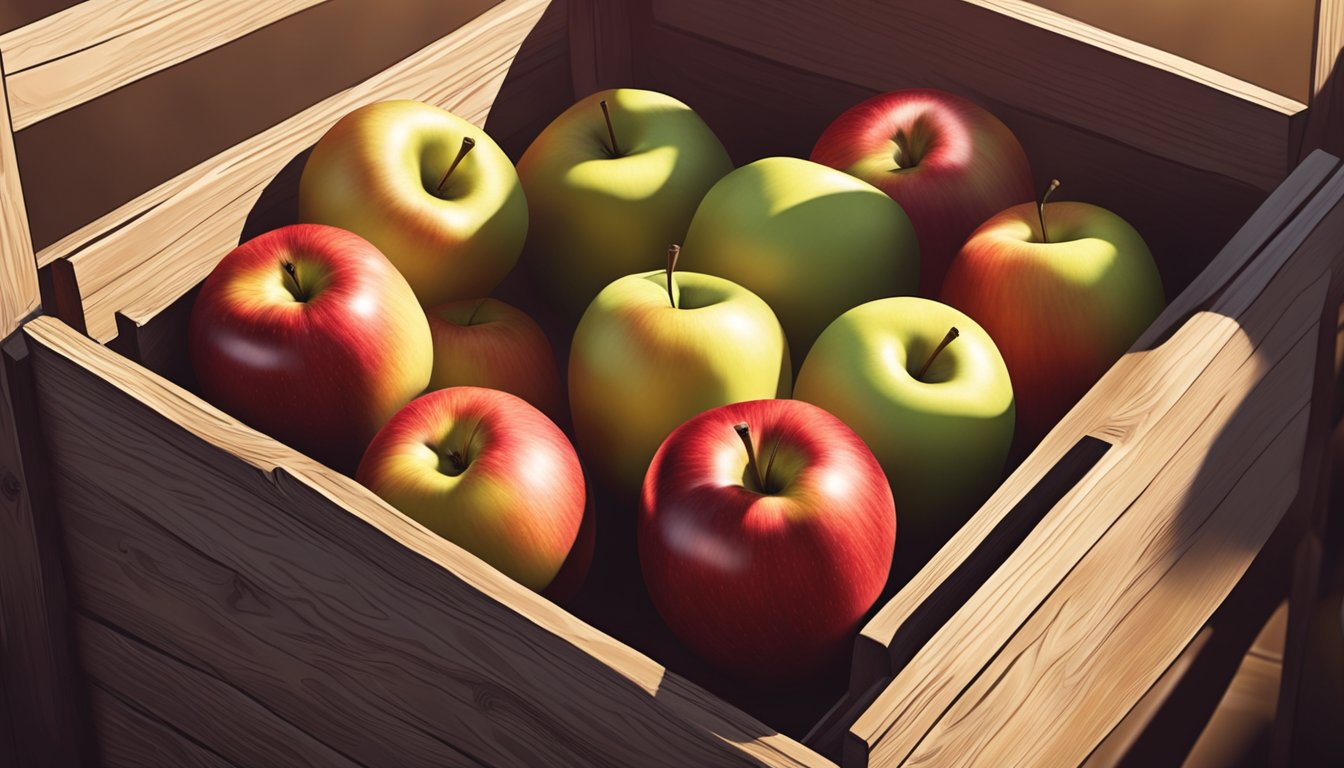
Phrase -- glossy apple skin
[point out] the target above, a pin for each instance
(638, 367)
(519, 501)
(322, 375)
(1060, 312)
(968, 166)
(809, 240)
(770, 587)
(595, 217)
(487, 343)
(942, 440)
(376, 172)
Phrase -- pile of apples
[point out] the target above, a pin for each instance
(766, 526)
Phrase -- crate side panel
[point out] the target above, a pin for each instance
(304, 592)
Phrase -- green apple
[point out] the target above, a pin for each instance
(609, 187)
(810, 240)
(1065, 289)
(935, 406)
(432, 191)
(653, 350)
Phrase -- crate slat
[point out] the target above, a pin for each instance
(97, 46)
(129, 738)
(200, 705)
(147, 250)
(19, 294)
(249, 559)
(1010, 51)
(1232, 347)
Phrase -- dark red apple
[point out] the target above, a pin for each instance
(309, 334)
(947, 161)
(766, 531)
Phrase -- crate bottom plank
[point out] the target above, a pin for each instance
(129, 738)
(304, 591)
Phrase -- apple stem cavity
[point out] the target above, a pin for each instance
(458, 462)
(476, 309)
(1040, 207)
(467, 144)
(606, 115)
(673, 251)
(951, 336)
(299, 293)
(744, 432)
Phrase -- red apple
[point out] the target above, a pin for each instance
(309, 334)
(766, 531)
(487, 471)
(947, 161)
(487, 343)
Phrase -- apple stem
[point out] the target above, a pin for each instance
(744, 432)
(1040, 207)
(673, 251)
(299, 293)
(467, 144)
(457, 460)
(476, 309)
(951, 336)
(606, 114)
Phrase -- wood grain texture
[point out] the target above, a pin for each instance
(169, 238)
(600, 43)
(1166, 423)
(19, 294)
(1042, 62)
(198, 704)
(1325, 121)
(130, 738)
(898, 629)
(42, 689)
(97, 46)
(298, 587)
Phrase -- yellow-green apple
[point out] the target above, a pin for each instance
(430, 189)
(766, 530)
(487, 343)
(610, 182)
(655, 349)
(810, 240)
(309, 334)
(1064, 290)
(927, 390)
(486, 471)
(948, 162)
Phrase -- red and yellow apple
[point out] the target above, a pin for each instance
(437, 196)
(486, 471)
(487, 343)
(948, 162)
(309, 334)
(1062, 304)
(766, 532)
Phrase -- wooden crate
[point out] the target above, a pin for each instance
(180, 589)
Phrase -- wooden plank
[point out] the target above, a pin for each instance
(172, 236)
(1148, 404)
(1325, 120)
(1041, 61)
(197, 702)
(600, 52)
(42, 688)
(300, 588)
(97, 46)
(129, 738)
(19, 294)
(905, 623)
